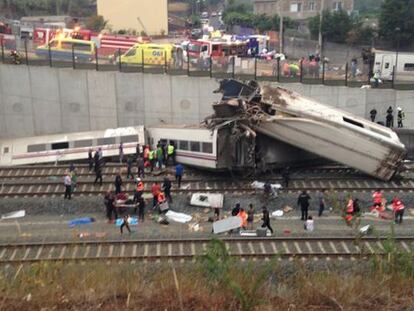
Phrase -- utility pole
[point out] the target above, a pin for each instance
(281, 30)
(320, 41)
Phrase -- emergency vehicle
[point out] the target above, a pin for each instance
(62, 49)
(152, 54)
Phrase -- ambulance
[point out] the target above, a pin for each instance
(152, 55)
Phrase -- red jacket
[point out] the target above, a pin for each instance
(377, 197)
(350, 207)
(155, 189)
(397, 205)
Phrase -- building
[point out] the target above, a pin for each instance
(149, 16)
(300, 9)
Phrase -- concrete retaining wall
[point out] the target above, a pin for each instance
(42, 100)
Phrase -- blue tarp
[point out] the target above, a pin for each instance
(132, 221)
(80, 221)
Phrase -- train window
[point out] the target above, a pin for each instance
(353, 122)
(106, 141)
(207, 147)
(408, 67)
(5, 150)
(36, 148)
(60, 145)
(129, 139)
(83, 143)
(183, 145)
(195, 146)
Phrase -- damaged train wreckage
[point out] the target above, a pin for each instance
(263, 126)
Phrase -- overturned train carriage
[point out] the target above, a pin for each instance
(285, 116)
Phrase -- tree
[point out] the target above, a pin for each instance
(397, 14)
(335, 26)
(96, 23)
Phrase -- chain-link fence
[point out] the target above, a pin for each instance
(304, 70)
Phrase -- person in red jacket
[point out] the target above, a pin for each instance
(349, 211)
(377, 197)
(398, 208)
(155, 190)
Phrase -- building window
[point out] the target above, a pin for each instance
(311, 6)
(295, 7)
(408, 67)
(337, 6)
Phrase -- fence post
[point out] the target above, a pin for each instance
(50, 55)
(301, 72)
(211, 67)
(73, 57)
(2, 50)
(119, 60)
(233, 63)
(255, 68)
(96, 58)
(25, 51)
(278, 69)
(323, 71)
(188, 61)
(346, 74)
(142, 61)
(165, 63)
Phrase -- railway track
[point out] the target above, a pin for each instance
(332, 248)
(46, 181)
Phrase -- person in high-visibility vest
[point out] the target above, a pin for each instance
(171, 153)
(377, 197)
(349, 211)
(243, 215)
(151, 158)
(139, 190)
(398, 208)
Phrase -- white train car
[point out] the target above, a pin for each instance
(194, 145)
(332, 133)
(69, 147)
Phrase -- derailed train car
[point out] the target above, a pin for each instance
(306, 124)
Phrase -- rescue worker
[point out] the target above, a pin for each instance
(377, 196)
(129, 168)
(400, 117)
(267, 190)
(151, 159)
(171, 153)
(109, 204)
(98, 175)
(155, 190)
(146, 153)
(286, 177)
(139, 190)
(160, 201)
(179, 169)
(96, 160)
(125, 223)
(243, 215)
(121, 152)
(166, 186)
(141, 209)
(236, 210)
(90, 159)
(303, 202)
(74, 178)
(389, 121)
(141, 167)
(67, 181)
(250, 216)
(373, 114)
(160, 156)
(266, 219)
(398, 208)
(349, 213)
(118, 183)
(321, 198)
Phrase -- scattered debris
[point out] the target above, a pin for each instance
(81, 221)
(287, 209)
(18, 214)
(212, 200)
(250, 233)
(178, 217)
(227, 224)
(278, 213)
(365, 230)
(194, 227)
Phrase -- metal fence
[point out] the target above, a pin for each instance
(245, 68)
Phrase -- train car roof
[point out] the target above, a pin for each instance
(179, 126)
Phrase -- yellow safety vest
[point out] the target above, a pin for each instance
(151, 155)
(170, 149)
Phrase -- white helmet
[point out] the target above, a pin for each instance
(399, 108)
(138, 179)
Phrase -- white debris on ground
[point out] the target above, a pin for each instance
(178, 217)
(213, 200)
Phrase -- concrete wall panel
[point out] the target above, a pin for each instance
(130, 99)
(102, 100)
(185, 100)
(47, 112)
(157, 97)
(74, 100)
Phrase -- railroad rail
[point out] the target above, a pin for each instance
(338, 248)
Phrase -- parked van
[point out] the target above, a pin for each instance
(152, 54)
(62, 48)
(385, 61)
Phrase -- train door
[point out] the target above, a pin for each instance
(6, 153)
(387, 67)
